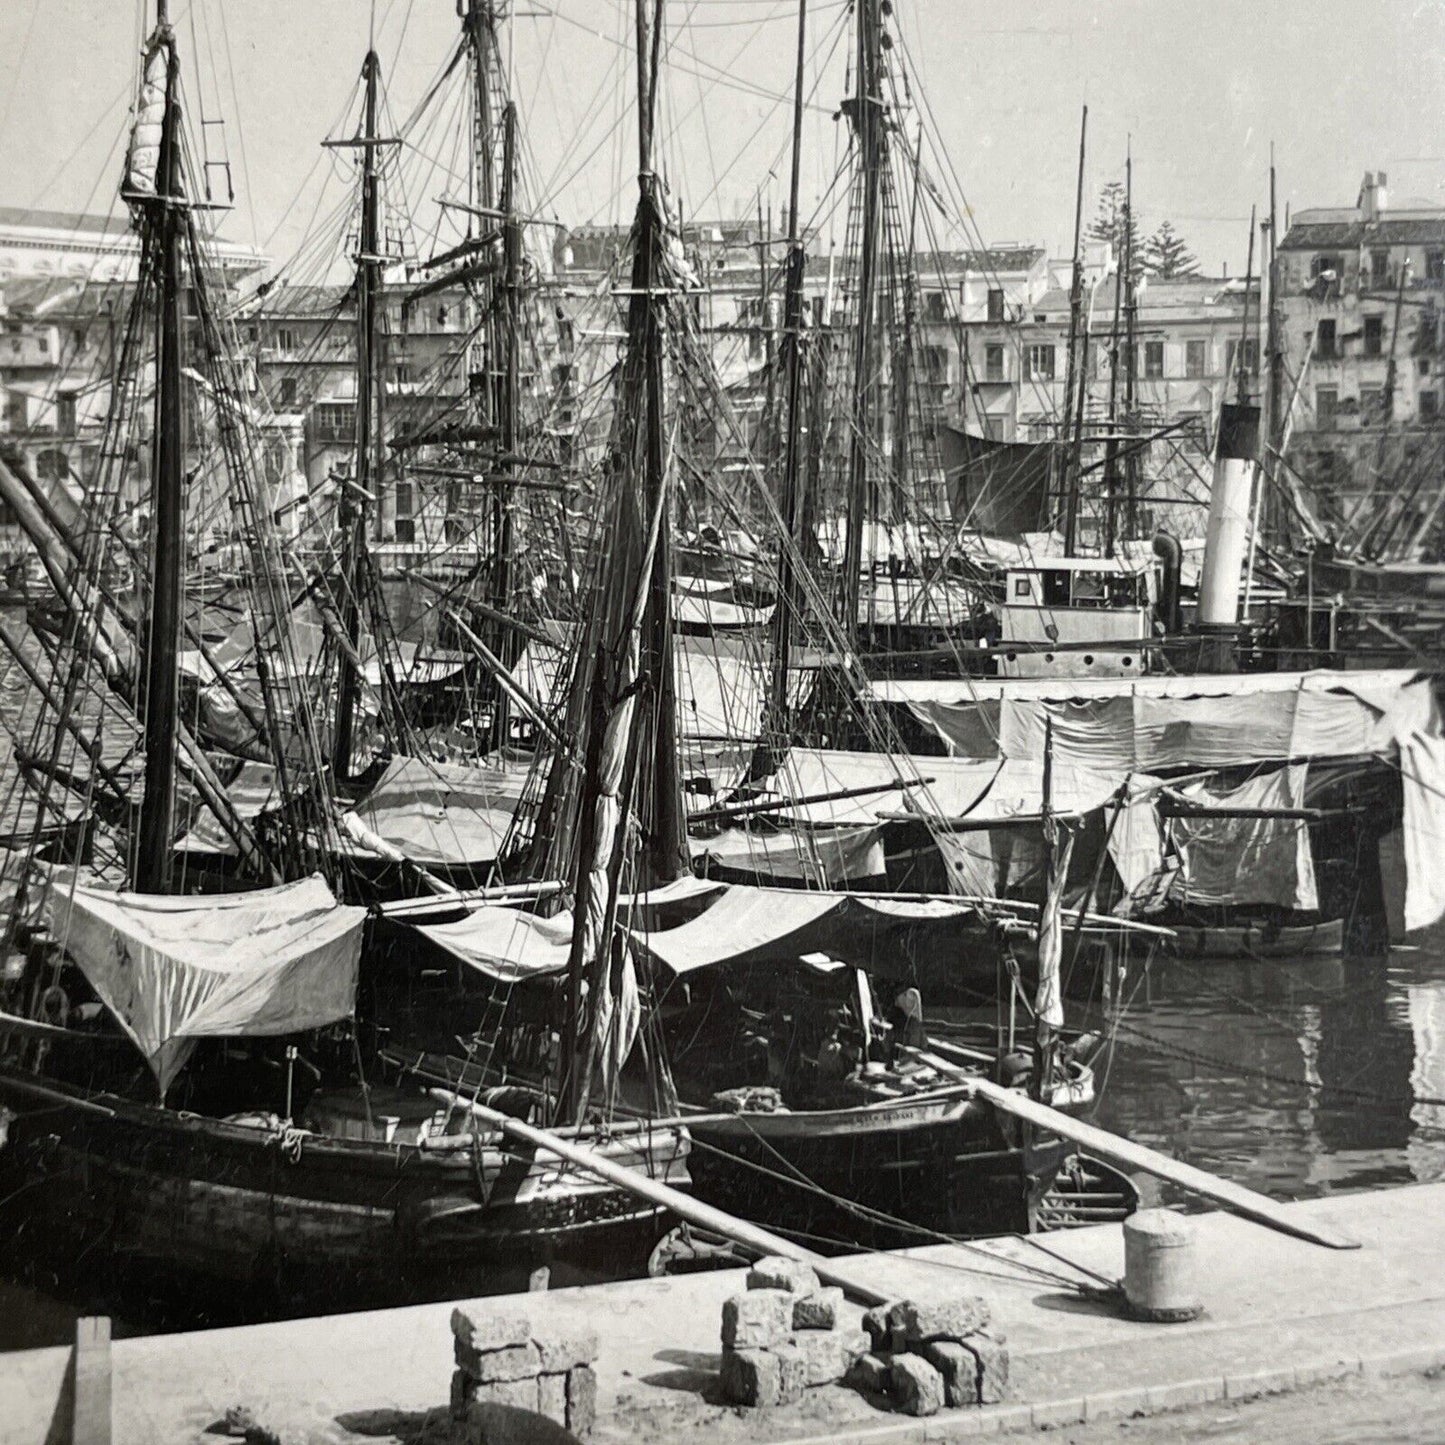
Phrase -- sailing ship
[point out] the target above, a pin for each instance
(189, 1080)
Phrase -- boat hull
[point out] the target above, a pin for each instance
(291, 1219)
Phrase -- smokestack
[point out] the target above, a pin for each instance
(1227, 537)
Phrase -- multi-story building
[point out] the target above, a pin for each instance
(1360, 292)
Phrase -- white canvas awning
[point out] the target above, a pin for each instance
(172, 970)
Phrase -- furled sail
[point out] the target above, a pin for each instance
(143, 154)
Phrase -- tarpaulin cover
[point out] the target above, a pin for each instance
(444, 813)
(252, 791)
(999, 487)
(173, 970)
(822, 857)
(506, 944)
(1153, 723)
(1247, 860)
(961, 788)
(756, 925)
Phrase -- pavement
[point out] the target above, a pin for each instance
(1280, 1314)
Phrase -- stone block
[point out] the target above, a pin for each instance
(940, 1319)
(958, 1367)
(989, 1349)
(869, 1374)
(581, 1400)
(751, 1377)
(754, 1320)
(516, 1394)
(489, 1367)
(914, 1385)
(552, 1397)
(822, 1352)
(487, 1331)
(853, 1343)
(790, 1275)
(792, 1372)
(819, 1310)
(564, 1349)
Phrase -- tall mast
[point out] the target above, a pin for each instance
(1075, 379)
(791, 356)
(903, 361)
(630, 805)
(1131, 354)
(1274, 396)
(368, 470)
(164, 221)
(862, 504)
(1111, 446)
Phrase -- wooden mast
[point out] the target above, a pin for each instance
(630, 805)
(862, 503)
(1131, 354)
(1111, 446)
(356, 496)
(165, 220)
(1075, 379)
(791, 356)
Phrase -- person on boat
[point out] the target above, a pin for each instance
(906, 1019)
(833, 1064)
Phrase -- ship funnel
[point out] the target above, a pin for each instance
(1227, 538)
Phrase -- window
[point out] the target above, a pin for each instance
(1372, 405)
(1430, 406)
(405, 499)
(995, 304)
(405, 530)
(1325, 342)
(934, 307)
(935, 364)
(1196, 359)
(17, 412)
(993, 367)
(288, 391)
(79, 340)
(1379, 268)
(1023, 588)
(1435, 265)
(1327, 400)
(1374, 335)
(1039, 362)
(1250, 360)
(65, 413)
(1153, 360)
(334, 421)
(1326, 267)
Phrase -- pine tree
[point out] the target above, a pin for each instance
(1114, 222)
(1167, 254)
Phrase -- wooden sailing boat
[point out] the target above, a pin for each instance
(185, 1078)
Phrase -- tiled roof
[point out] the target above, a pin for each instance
(1003, 258)
(1332, 230)
(21, 216)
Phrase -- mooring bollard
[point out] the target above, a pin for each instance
(1160, 1270)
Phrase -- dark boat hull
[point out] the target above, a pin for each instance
(291, 1220)
(869, 1181)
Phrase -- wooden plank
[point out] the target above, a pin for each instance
(705, 1216)
(1116, 1150)
(91, 1422)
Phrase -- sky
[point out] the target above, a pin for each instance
(1200, 91)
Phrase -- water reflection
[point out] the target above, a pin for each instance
(1298, 1079)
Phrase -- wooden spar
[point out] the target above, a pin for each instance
(509, 684)
(1131, 359)
(1076, 382)
(364, 837)
(351, 515)
(791, 356)
(1110, 1147)
(159, 692)
(778, 805)
(869, 127)
(503, 893)
(694, 1211)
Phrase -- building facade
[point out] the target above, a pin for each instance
(1361, 290)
